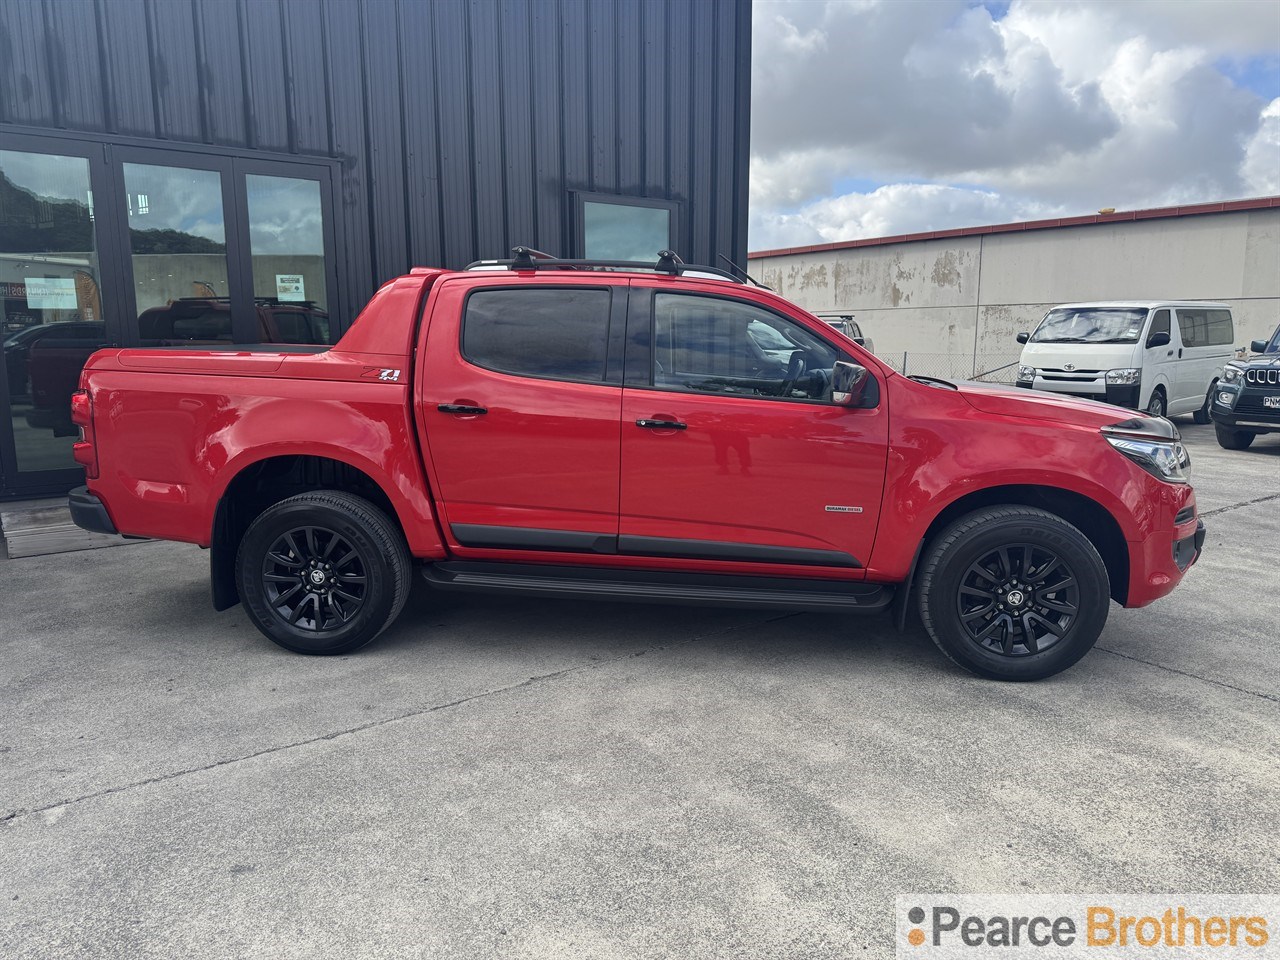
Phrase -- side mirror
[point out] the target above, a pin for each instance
(1024, 337)
(1160, 339)
(848, 381)
(1258, 346)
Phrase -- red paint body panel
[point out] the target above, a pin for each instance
(171, 430)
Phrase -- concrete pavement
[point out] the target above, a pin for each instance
(520, 778)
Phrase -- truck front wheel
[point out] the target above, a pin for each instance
(1013, 593)
(323, 572)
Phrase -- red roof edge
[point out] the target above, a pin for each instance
(1190, 210)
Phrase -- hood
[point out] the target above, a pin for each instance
(1041, 405)
(1258, 361)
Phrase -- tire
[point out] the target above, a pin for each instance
(1230, 439)
(1038, 632)
(1156, 406)
(350, 562)
(1202, 415)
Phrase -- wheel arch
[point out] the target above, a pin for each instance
(259, 484)
(1088, 516)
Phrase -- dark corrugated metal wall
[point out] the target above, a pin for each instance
(462, 125)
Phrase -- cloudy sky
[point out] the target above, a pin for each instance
(879, 117)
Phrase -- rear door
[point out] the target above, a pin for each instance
(758, 467)
(519, 396)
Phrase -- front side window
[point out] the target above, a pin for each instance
(551, 333)
(714, 345)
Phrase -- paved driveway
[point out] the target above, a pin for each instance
(515, 778)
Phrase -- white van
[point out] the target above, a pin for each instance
(1159, 356)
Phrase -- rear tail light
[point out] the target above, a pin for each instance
(83, 450)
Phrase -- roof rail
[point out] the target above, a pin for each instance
(668, 262)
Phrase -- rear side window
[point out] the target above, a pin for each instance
(1205, 328)
(557, 334)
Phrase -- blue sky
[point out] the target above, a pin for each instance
(873, 117)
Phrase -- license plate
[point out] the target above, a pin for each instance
(1272, 401)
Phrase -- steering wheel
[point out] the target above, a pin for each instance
(795, 370)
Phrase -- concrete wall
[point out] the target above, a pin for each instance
(958, 303)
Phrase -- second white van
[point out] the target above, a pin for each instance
(1163, 357)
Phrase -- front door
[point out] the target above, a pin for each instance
(758, 467)
(519, 397)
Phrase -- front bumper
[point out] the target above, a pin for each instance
(1246, 408)
(1187, 550)
(88, 512)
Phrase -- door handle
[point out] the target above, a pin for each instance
(662, 424)
(460, 408)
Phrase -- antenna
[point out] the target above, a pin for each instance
(741, 272)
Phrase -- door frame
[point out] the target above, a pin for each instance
(15, 482)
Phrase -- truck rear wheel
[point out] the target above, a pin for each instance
(323, 572)
(1013, 593)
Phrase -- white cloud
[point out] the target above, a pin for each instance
(1053, 108)
(1262, 155)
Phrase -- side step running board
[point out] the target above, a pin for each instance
(649, 586)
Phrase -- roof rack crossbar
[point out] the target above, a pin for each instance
(669, 262)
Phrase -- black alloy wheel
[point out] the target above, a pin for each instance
(1018, 599)
(1013, 592)
(314, 579)
(323, 572)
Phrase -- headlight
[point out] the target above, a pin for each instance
(1026, 374)
(1164, 461)
(1231, 374)
(1125, 375)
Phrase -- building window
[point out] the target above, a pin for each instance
(625, 228)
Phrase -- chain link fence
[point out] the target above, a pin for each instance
(987, 367)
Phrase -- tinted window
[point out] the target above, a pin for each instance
(559, 334)
(711, 345)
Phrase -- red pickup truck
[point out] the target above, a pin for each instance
(644, 432)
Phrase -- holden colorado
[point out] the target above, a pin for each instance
(632, 432)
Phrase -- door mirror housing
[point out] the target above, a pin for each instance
(848, 383)
(1160, 339)
(1258, 346)
(1024, 337)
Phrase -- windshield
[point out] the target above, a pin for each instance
(1091, 325)
(1274, 345)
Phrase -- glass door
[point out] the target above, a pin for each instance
(53, 313)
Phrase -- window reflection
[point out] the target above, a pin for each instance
(177, 235)
(50, 305)
(286, 241)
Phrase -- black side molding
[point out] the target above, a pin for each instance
(530, 538)
(88, 512)
(717, 550)
(654, 586)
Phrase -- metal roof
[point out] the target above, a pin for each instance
(1155, 213)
